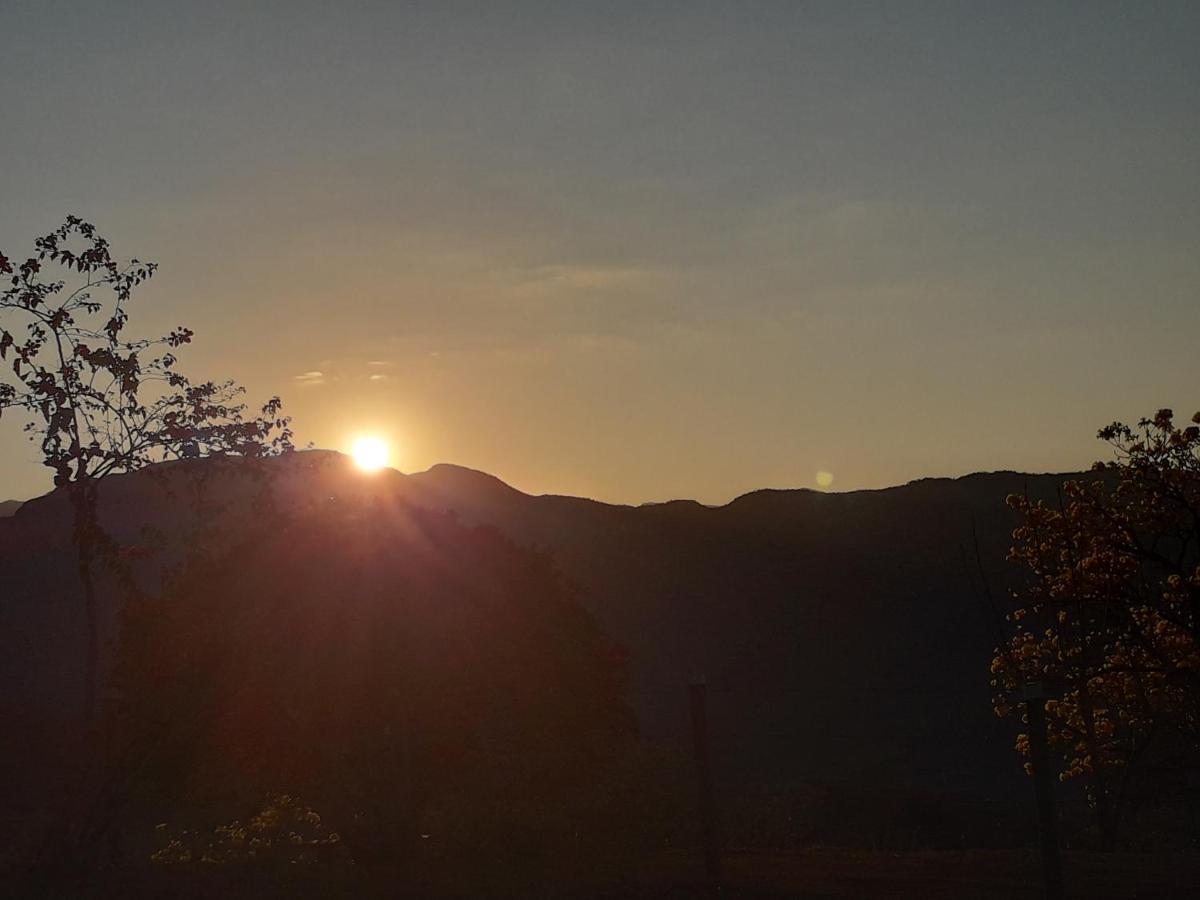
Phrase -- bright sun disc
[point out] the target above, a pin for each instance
(370, 453)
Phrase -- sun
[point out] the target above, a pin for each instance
(370, 453)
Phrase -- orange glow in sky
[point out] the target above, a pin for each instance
(638, 256)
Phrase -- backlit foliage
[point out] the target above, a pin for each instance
(99, 400)
(284, 830)
(1107, 621)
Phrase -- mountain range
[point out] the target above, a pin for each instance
(844, 637)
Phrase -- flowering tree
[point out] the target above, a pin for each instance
(1107, 622)
(100, 402)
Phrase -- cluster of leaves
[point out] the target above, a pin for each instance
(284, 830)
(98, 400)
(1107, 623)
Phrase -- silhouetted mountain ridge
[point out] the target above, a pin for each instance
(844, 636)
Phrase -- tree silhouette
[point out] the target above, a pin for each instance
(402, 672)
(101, 402)
(1107, 621)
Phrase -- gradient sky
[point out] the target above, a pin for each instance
(639, 251)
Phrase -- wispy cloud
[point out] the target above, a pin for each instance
(577, 278)
(309, 378)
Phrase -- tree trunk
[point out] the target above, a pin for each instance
(83, 499)
(89, 608)
(1043, 783)
(1105, 818)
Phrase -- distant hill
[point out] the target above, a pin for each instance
(8, 507)
(845, 637)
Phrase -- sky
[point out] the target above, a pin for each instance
(639, 251)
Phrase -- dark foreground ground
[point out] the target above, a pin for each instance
(934, 875)
(815, 873)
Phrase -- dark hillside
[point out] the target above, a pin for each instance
(845, 637)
